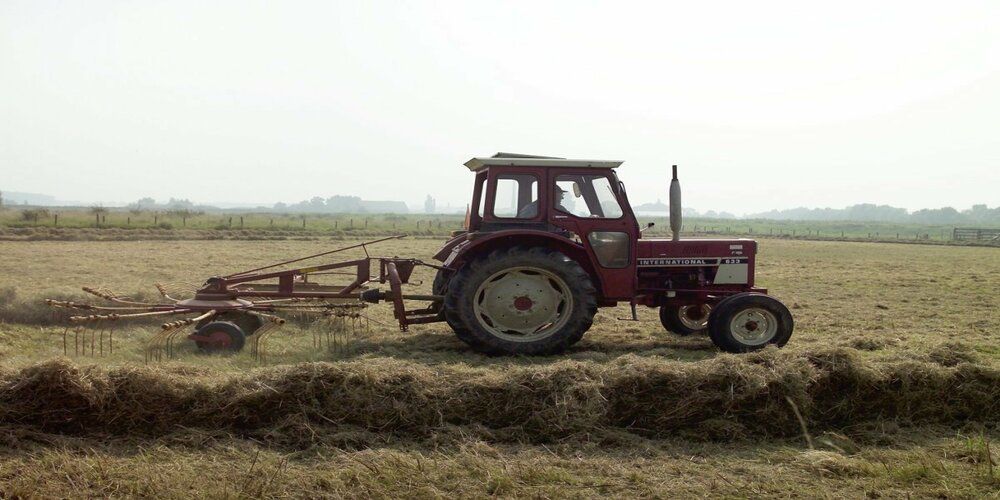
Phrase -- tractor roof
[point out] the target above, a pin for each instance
(521, 160)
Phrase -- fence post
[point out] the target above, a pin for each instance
(56, 220)
(303, 222)
(241, 222)
(128, 221)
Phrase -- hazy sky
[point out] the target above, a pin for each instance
(762, 104)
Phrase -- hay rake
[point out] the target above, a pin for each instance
(227, 312)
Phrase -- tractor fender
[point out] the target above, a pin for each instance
(445, 251)
(474, 245)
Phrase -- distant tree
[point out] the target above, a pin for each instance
(34, 214)
(1, 200)
(343, 204)
(946, 215)
(174, 203)
(98, 210)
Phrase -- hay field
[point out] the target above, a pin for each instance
(894, 368)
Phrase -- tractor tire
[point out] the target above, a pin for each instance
(440, 287)
(521, 301)
(749, 321)
(249, 323)
(685, 320)
(226, 337)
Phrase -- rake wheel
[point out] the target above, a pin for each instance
(220, 336)
(249, 323)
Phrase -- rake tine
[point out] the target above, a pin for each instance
(65, 346)
(154, 346)
(108, 295)
(102, 342)
(111, 340)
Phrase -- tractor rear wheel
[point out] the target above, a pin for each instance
(440, 287)
(532, 301)
(686, 319)
(749, 321)
(220, 336)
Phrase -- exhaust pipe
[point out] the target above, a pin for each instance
(675, 206)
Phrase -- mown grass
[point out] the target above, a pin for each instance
(893, 366)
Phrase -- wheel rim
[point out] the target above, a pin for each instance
(694, 317)
(523, 304)
(754, 326)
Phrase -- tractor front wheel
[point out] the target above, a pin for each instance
(749, 321)
(531, 301)
(686, 319)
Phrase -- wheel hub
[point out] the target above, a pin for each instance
(523, 304)
(754, 326)
(695, 317)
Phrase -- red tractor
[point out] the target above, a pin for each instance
(549, 240)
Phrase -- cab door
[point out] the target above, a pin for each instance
(590, 204)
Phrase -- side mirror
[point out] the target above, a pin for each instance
(576, 190)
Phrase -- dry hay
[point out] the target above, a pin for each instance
(354, 404)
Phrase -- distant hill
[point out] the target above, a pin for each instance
(37, 199)
(660, 208)
(867, 212)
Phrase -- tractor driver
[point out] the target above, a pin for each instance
(530, 210)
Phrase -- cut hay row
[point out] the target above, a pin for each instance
(727, 397)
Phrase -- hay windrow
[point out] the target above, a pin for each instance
(726, 397)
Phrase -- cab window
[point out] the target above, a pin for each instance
(516, 196)
(586, 196)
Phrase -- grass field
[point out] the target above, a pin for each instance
(119, 224)
(894, 368)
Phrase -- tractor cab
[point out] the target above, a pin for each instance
(521, 191)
